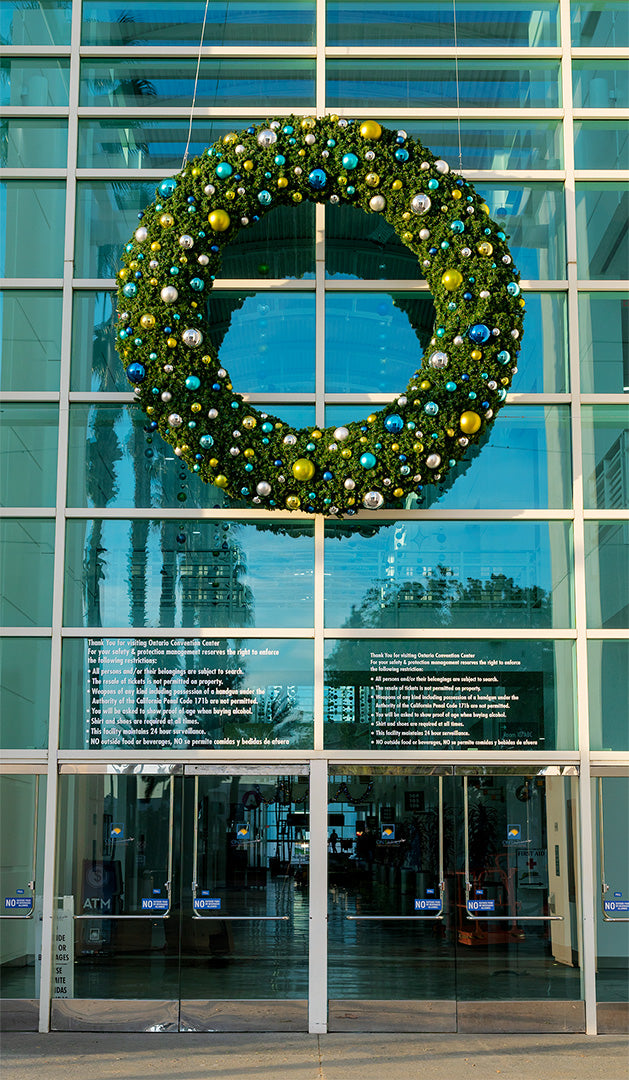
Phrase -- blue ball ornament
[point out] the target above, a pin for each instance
(349, 161)
(479, 333)
(317, 179)
(401, 155)
(433, 185)
(167, 187)
(279, 159)
(206, 441)
(130, 289)
(197, 284)
(457, 225)
(513, 288)
(264, 197)
(503, 357)
(136, 373)
(431, 408)
(394, 423)
(224, 170)
(192, 382)
(368, 461)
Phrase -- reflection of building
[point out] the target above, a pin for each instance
(105, 537)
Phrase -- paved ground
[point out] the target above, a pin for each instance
(85, 1056)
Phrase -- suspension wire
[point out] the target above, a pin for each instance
(458, 99)
(196, 83)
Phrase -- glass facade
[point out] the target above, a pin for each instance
(221, 725)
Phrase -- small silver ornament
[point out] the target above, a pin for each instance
(192, 337)
(221, 373)
(263, 488)
(373, 500)
(442, 166)
(310, 139)
(212, 414)
(166, 395)
(141, 234)
(466, 252)
(186, 241)
(203, 260)
(209, 189)
(438, 360)
(175, 420)
(266, 137)
(349, 484)
(153, 264)
(240, 149)
(433, 461)
(424, 234)
(377, 202)
(290, 440)
(341, 433)
(420, 203)
(457, 340)
(169, 294)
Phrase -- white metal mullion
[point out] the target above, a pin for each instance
(321, 53)
(586, 837)
(318, 917)
(48, 903)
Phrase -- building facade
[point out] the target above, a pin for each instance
(268, 771)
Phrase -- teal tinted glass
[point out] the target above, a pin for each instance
(249, 693)
(24, 692)
(160, 144)
(605, 431)
(600, 84)
(281, 245)
(33, 144)
(597, 23)
(106, 215)
(28, 454)
(608, 679)
(30, 339)
(40, 81)
(400, 22)
(414, 83)
(602, 232)
(114, 460)
(524, 462)
(441, 695)
(265, 340)
(31, 245)
(607, 574)
(168, 83)
(95, 362)
(448, 574)
(533, 217)
(197, 573)
(359, 246)
(45, 22)
(374, 341)
(604, 342)
(229, 22)
(26, 572)
(601, 144)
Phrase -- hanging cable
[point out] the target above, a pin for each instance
(458, 99)
(196, 83)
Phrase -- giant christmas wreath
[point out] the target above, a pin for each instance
(452, 397)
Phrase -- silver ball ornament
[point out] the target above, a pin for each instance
(175, 420)
(442, 166)
(438, 360)
(169, 294)
(166, 395)
(212, 414)
(209, 189)
(186, 242)
(420, 203)
(266, 137)
(433, 461)
(192, 337)
(424, 234)
(373, 500)
(310, 139)
(203, 260)
(377, 202)
(263, 488)
(341, 433)
(349, 484)
(141, 234)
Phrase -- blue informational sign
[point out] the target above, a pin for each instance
(243, 831)
(615, 905)
(481, 905)
(207, 903)
(17, 903)
(427, 905)
(116, 831)
(514, 832)
(154, 903)
(617, 895)
(387, 832)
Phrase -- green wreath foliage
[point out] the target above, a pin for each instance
(453, 395)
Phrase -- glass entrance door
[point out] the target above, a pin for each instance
(611, 813)
(453, 900)
(187, 891)
(22, 810)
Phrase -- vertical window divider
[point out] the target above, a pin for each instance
(588, 915)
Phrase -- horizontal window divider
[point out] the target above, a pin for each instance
(190, 52)
(613, 175)
(33, 174)
(200, 112)
(36, 50)
(600, 114)
(29, 395)
(477, 175)
(358, 757)
(385, 399)
(94, 397)
(449, 633)
(188, 632)
(27, 511)
(480, 175)
(445, 52)
(278, 111)
(31, 283)
(608, 285)
(607, 635)
(25, 631)
(220, 285)
(604, 399)
(450, 113)
(602, 762)
(175, 514)
(610, 52)
(29, 112)
(619, 514)
(27, 761)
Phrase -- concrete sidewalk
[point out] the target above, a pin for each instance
(84, 1056)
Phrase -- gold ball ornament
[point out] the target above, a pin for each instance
(452, 280)
(221, 481)
(293, 502)
(469, 422)
(166, 220)
(303, 469)
(371, 130)
(219, 220)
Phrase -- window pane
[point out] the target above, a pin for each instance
(533, 217)
(30, 339)
(115, 461)
(26, 572)
(369, 22)
(360, 245)
(605, 456)
(280, 245)
(602, 234)
(168, 83)
(607, 574)
(106, 216)
(434, 695)
(455, 574)
(600, 23)
(250, 693)
(24, 692)
(46, 22)
(604, 342)
(600, 84)
(28, 454)
(31, 245)
(95, 362)
(143, 143)
(608, 679)
(197, 573)
(600, 145)
(229, 22)
(411, 83)
(525, 462)
(491, 144)
(33, 144)
(266, 340)
(41, 81)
